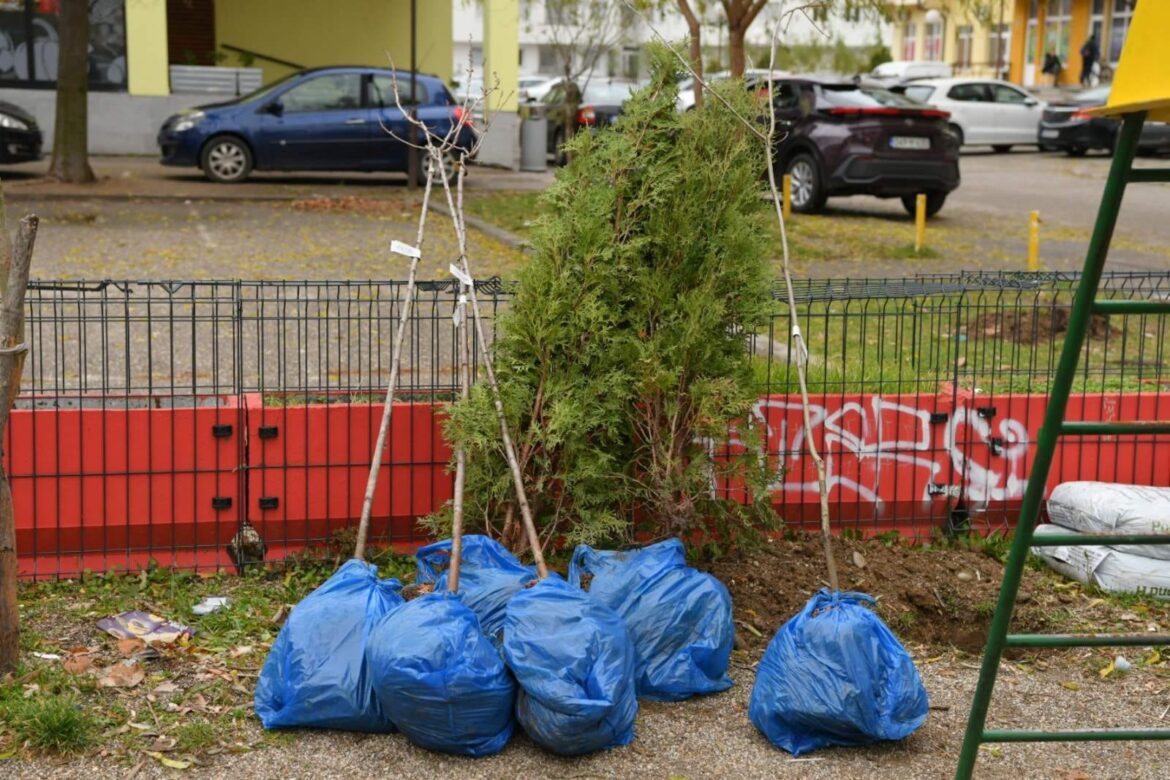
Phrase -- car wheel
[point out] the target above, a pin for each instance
(1076, 151)
(449, 163)
(808, 194)
(226, 159)
(958, 133)
(1001, 148)
(934, 203)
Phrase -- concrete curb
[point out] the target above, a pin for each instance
(500, 234)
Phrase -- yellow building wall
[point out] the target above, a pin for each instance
(146, 48)
(1078, 34)
(312, 33)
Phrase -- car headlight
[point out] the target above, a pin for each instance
(12, 123)
(187, 121)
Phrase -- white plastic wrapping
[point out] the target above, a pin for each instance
(1101, 507)
(1108, 569)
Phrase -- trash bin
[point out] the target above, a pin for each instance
(534, 143)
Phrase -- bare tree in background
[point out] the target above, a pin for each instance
(695, 30)
(70, 161)
(581, 31)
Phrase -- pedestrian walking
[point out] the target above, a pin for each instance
(1090, 53)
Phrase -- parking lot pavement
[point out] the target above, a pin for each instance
(143, 177)
(94, 238)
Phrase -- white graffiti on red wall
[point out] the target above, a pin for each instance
(873, 439)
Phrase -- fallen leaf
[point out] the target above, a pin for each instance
(236, 652)
(1155, 657)
(76, 664)
(162, 744)
(47, 656)
(128, 647)
(167, 687)
(1108, 670)
(1070, 685)
(126, 674)
(173, 763)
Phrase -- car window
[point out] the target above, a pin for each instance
(786, 97)
(918, 92)
(325, 93)
(1007, 94)
(972, 93)
(607, 94)
(886, 70)
(382, 91)
(851, 96)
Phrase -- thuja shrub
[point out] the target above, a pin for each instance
(622, 357)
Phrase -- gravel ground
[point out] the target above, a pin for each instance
(712, 738)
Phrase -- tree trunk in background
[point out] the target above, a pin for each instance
(740, 15)
(11, 326)
(696, 48)
(71, 131)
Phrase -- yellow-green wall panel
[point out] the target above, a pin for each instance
(146, 45)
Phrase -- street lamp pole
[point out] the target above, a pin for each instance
(412, 151)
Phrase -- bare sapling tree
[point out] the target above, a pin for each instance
(16, 258)
(769, 139)
(438, 148)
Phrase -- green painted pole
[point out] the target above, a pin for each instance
(1053, 419)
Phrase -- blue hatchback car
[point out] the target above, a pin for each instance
(338, 118)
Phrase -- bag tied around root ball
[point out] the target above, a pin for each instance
(315, 674)
(574, 662)
(679, 618)
(440, 680)
(488, 576)
(836, 675)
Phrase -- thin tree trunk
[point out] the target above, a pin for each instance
(11, 325)
(735, 44)
(71, 131)
(696, 31)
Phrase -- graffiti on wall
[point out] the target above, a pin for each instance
(877, 448)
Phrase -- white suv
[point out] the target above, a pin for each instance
(983, 111)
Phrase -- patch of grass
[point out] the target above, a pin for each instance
(908, 252)
(985, 608)
(51, 724)
(512, 211)
(195, 735)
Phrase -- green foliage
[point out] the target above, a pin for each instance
(50, 723)
(622, 352)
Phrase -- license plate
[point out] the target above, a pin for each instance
(1049, 133)
(909, 142)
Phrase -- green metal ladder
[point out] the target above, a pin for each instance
(1084, 306)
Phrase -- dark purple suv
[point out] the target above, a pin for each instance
(842, 139)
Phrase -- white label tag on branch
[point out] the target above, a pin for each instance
(400, 248)
(457, 316)
(457, 272)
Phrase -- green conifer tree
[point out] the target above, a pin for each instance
(624, 349)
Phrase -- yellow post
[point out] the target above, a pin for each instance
(1034, 241)
(787, 191)
(920, 223)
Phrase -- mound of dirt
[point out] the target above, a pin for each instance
(1032, 327)
(938, 597)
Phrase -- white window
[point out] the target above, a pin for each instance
(909, 40)
(934, 40)
(1122, 15)
(965, 36)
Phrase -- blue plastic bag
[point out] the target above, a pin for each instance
(488, 576)
(574, 662)
(441, 681)
(836, 675)
(679, 618)
(315, 674)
